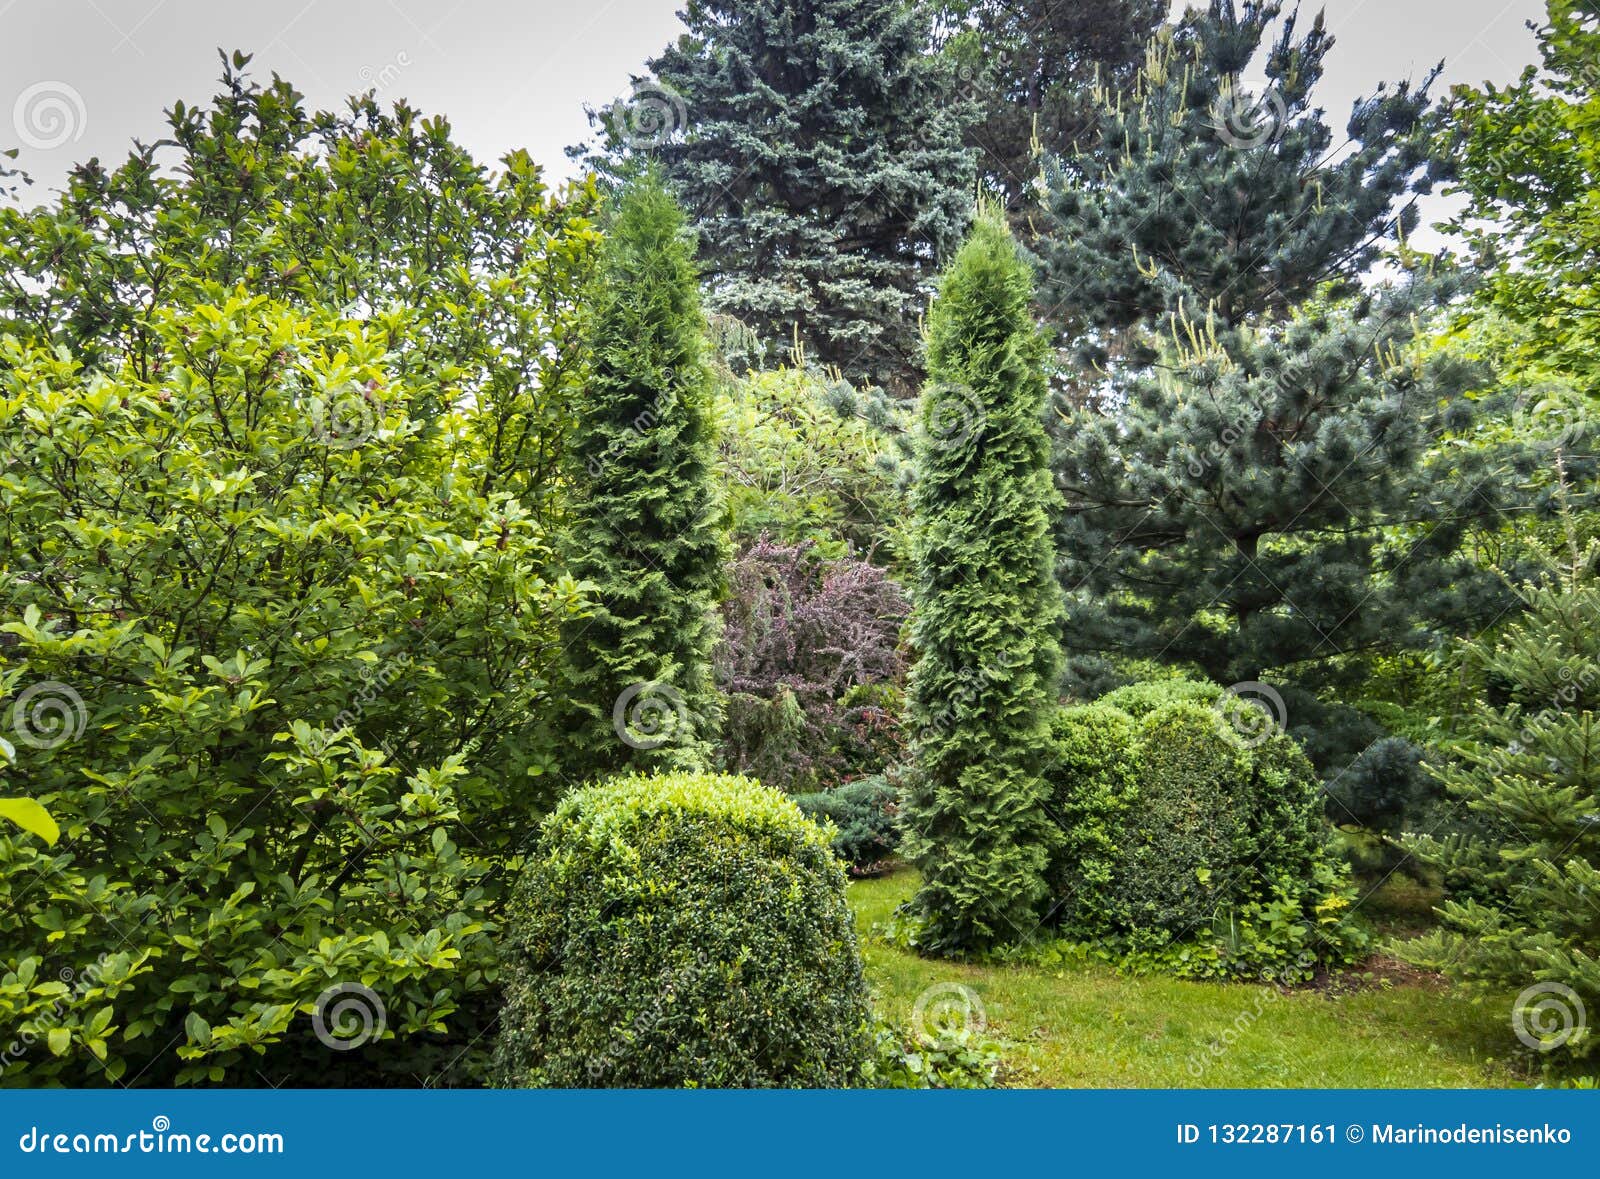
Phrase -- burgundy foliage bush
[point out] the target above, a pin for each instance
(811, 664)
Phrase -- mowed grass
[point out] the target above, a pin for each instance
(1086, 1026)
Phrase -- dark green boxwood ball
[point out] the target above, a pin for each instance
(1093, 777)
(681, 930)
(1193, 784)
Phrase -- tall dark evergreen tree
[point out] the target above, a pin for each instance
(646, 530)
(1035, 67)
(985, 607)
(1223, 201)
(821, 159)
(1275, 506)
(1247, 457)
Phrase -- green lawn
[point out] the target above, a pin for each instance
(1086, 1026)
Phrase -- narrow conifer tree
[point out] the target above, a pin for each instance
(645, 529)
(986, 607)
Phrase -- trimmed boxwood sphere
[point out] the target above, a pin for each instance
(1093, 778)
(681, 930)
(1190, 819)
(1141, 699)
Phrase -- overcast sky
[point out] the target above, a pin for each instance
(82, 77)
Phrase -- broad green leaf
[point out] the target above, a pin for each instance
(31, 817)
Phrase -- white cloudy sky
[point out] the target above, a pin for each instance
(516, 74)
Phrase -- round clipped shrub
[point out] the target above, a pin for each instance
(1284, 830)
(681, 930)
(1188, 845)
(1140, 699)
(1093, 777)
(1193, 786)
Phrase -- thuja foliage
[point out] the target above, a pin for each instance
(283, 601)
(985, 607)
(646, 531)
(820, 156)
(1523, 875)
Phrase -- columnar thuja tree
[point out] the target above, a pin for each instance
(646, 531)
(985, 607)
